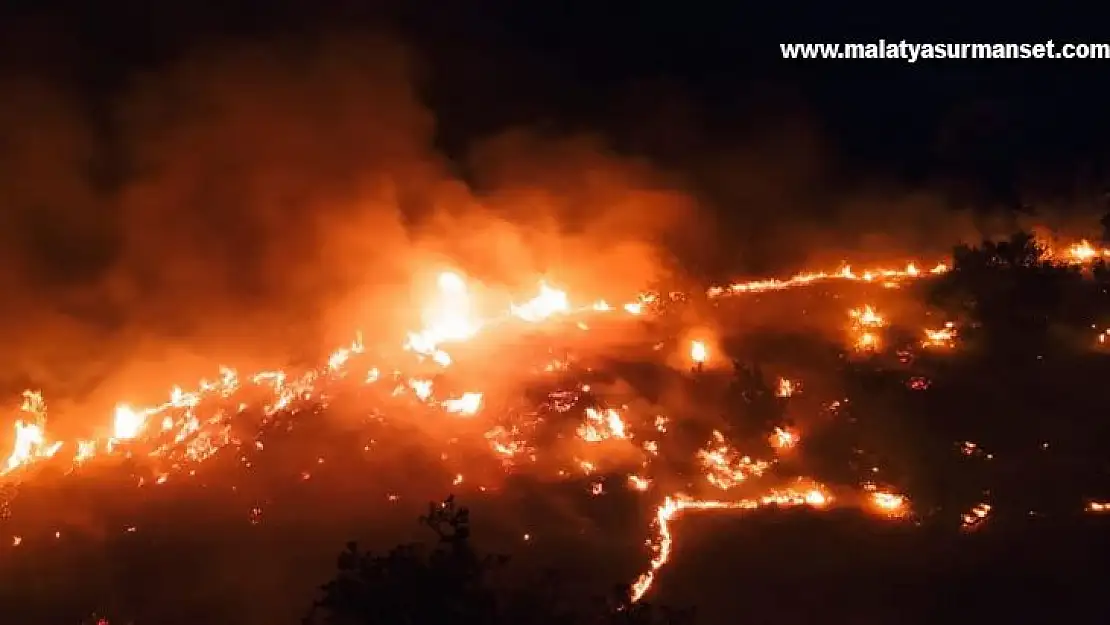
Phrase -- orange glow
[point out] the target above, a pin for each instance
(178, 432)
(699, 353)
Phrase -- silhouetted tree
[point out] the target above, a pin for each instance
(754, 403)
(1007, 292)
(1026, 344)
(407, 585)
(454, 584)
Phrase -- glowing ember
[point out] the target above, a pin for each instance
(943, 337)
(785, 388)
(975, 517)
(865, 321)
(783, 438)
(601, 425)
(725, 467)
(889, 503)
(867, 317)
(1084, 252)
(181, 432)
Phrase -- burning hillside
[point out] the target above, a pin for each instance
(549, 389)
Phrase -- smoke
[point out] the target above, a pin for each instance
(787, 189)
(253, 204)
(565, 208)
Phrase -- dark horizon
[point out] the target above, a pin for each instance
(1015, 132)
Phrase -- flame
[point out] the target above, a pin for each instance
(178, 430)
(662, 542)
(944, 337)
(889, 503)
(887, 276)
(785, 388)
(31, 443)
(865, 322)
(699, 353)
(448, 319)
(725, 467)
(1083, 252)
(549, 302)
(867, 317)
(783, 438)
(976, 516)
(128, 423)
(468, 404)
(601, 425)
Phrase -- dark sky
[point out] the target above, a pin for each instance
(497, 63)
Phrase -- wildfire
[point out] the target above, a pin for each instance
(179, 429)
(662, 541)
(887, 276)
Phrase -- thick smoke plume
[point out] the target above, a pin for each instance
(257, 203)
(254, 204)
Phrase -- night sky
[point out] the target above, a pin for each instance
(634, 72)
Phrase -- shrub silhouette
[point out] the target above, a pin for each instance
(1011, 296)
(452, 583)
